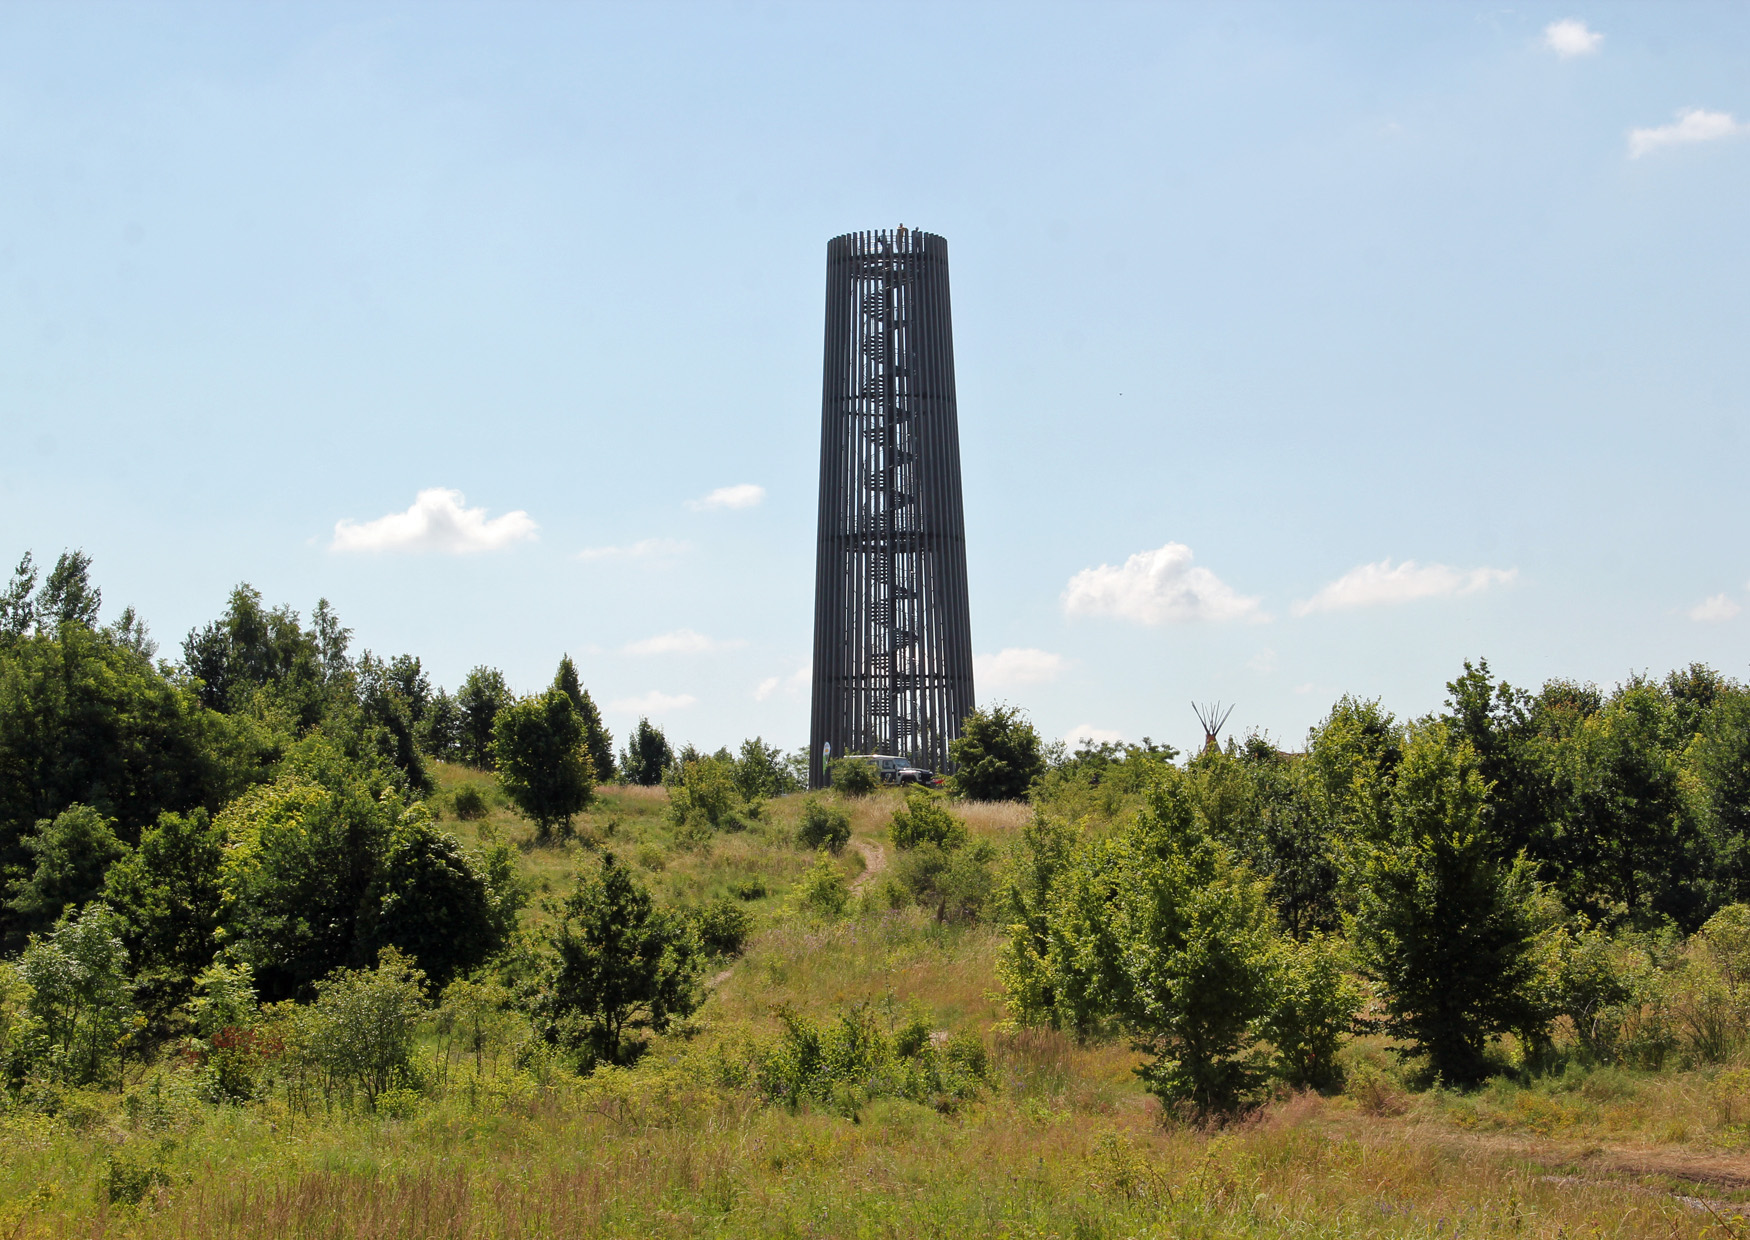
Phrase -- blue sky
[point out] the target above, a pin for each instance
(1301, 348)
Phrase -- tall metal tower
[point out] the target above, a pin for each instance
(892, 630)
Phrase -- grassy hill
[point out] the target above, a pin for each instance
(1059, 1140)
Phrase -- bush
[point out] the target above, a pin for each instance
(723, 927)
(79, 1003)
(823, 889)
(924, 821)
(363, 1022)
(469, 803)
(956, 883)
(823, 826)
(997, 755)
(1315, 1008)
(854, 777)
(705, 797)
(749, 889)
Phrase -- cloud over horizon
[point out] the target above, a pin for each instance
(1018, 666)
(680, 641)
(1691, 126)
(1087, 732)
(436, 521)
(1157, 587)
(655, 702)
(741, 495)
(1381, 585)
(795, 684)
(1714, 609)
(1571, 37)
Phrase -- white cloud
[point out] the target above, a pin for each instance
(1018, 666)
(1264, 662)
(1719, 607)
(741, 495)
(795, 684)
(681, 641)
(437, 521)
(1692, 125)
(644, 547)
(1088, 733)
(1157, 587)
(1571, 37)
(655, 702)
(1375, 585)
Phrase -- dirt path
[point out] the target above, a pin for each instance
(874, 861)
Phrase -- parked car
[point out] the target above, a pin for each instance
(892, 770)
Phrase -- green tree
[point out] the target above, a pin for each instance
(619, 965)
(79, 998)
(68, 597)
(328, 864)
(88, 720)
(440, 731)
(1718, 765)
(1443, 924)
(482, 695)
(538, 744)
(72, 851)
(1624, 838)
(1196, 956)
(647, 755)
(169, 900)
(997, 755)
(761, 772)
(596, 737)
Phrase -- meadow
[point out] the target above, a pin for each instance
(500, 1140)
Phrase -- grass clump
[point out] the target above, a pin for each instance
(852, 1060)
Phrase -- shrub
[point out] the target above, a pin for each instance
(924, 821)
(1314, 1011)
(749, 889)
(956, 883)
(823, 826)
(128, 1176)
(469, 803)
(853, 777)
(823, 889)
(723, 927)
(997, 755)
(79, 999)
(705, 796)
(363, 1023)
